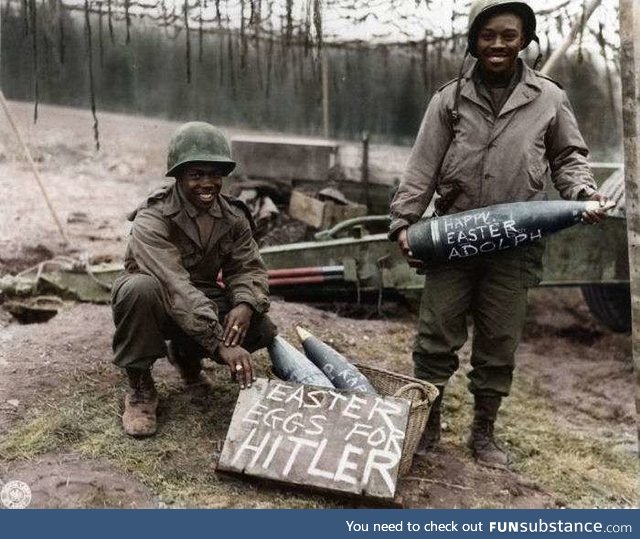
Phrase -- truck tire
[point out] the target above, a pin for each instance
(610, 304)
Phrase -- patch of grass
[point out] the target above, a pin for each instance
(579, 470)
(40, 435)
(582, 470)
(176, 464)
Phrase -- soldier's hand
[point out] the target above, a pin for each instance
(596, 216)
(239, 362)
(403, 242)
(236, 324)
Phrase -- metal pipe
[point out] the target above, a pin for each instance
(308, 271)
(311, 279)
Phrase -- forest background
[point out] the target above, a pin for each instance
(231, 70)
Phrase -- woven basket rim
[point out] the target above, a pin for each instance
(430, 390)
(422, 396)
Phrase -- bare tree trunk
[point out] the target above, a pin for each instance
(578, 24)
(630, 62)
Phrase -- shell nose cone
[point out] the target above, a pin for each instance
(592, 205)
(303, 334)
(291, 365)
(334, 365)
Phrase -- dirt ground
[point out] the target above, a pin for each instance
(569, 423)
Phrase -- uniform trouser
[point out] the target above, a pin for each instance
(493, 291)
(143, 324)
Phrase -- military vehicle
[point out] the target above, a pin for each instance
(354, 261)
(591, 257)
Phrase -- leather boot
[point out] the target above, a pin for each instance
(190, 369)
(485, 449)
(431, 435)
(140, 404)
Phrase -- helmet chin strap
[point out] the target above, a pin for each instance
(455, 114)
(538, 60)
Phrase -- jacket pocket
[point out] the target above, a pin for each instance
(224, 253)
(190, 255)
(449, 161)
(537, 169)
(225, 245)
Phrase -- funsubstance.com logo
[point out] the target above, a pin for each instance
(15, 495)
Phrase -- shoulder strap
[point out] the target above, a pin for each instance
(237, 203)
(159, 193)
(543, 76)
(448, 83)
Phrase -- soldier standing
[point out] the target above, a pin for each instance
(498, 133)
(182, 236)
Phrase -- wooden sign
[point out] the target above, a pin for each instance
(326, 438)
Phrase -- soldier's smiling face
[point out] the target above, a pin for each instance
(200, 183)
(500, 40)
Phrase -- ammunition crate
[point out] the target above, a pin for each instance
(322, 214)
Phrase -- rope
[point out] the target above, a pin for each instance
(67, 263)
(27, 153)
(59, 260)
(83, 264)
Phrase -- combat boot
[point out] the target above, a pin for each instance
(431, 435)
(140, 404)
(190, 369)
(483, 446)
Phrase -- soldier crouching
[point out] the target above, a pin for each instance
(183, 236)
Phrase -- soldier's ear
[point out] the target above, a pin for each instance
(179, 173)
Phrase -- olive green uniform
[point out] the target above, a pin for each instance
(170, 291)
(493, 291)
(487, 157)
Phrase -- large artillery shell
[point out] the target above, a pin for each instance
(334, 365)
(492, 229)
(293, 366)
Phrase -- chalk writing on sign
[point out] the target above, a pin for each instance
(306, 435)
(483, 232)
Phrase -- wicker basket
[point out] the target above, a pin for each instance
(420, 393)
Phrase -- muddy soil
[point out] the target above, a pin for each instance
(580, 370)
(67, 482)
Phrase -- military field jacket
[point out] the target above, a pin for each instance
(486, 159)
(165, 243)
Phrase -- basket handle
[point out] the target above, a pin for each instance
(413, 385)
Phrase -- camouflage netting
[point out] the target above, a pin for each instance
(248, 45)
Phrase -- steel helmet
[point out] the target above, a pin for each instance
(199, 142)
(482, 9)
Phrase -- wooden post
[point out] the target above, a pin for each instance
(325, 92)
(364, 169)
(630, 64)
(0, 47)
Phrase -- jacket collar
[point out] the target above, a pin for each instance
(177, 202)
(183, 214)
(525, 91)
